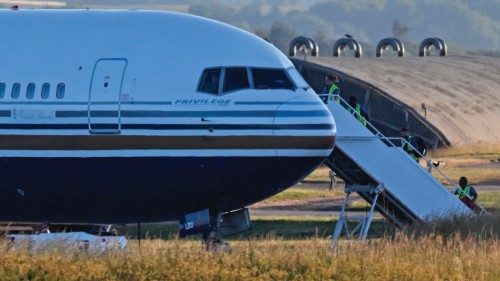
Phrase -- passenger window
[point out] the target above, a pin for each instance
(2, 90)
(16, 89)
(45, 90)
(30, 91)
(61, 88)
(271, 79)
(235, 78)
(210, 81)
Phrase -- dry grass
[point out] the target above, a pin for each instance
(300, 193)
(320, 174)
(402, 258)
(474, 175)
(478, 227)
(481, 150)
(489, 199)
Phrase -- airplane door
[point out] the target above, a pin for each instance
(104, 97)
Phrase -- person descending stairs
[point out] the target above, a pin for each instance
(384, 175)
(467, 194)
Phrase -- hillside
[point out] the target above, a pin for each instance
(461, 93)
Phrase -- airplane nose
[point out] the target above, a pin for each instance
(305, 126)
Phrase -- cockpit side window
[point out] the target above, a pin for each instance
(266, 78)
(235, 78)
(298, 80)
(209, 82)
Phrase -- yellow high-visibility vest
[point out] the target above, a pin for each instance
(331, 91)
(464, 192)
(409, 150)
(358, 115)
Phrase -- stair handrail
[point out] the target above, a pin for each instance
(337, 98)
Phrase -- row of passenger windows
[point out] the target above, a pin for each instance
(31, 90)
(237, 78)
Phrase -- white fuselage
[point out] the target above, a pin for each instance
(113, 102)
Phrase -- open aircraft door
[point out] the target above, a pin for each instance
(104, 97)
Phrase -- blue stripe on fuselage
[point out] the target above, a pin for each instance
(85, 126)
(85, 103)
(274, 103)
(163, 113)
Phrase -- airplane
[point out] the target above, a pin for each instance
(114, 117)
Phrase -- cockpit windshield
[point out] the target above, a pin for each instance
(268, 78)
(235, 78)
(210, 81)
(240, 78)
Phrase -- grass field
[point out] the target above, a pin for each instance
(460, 249)
(304, 193)
(490, 199)
(482, 150)
(401, 258)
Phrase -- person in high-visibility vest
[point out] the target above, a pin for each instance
(467, 194)
(410, 144)
(331, 89)
(357, 111)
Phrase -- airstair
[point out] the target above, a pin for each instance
(383, 174)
